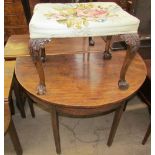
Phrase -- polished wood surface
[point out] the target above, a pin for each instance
(17, 45)
(73, 83)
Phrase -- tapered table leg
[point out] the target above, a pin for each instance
(37, 51)
(133, 43)
(115, 123)
(55, 126)
(19, 97)
(147, 134)
(30, 102)
(15, 139)
(107, 55)
(12, 108)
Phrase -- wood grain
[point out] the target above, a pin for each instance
(70, 82)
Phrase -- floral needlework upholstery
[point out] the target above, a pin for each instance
(60, 20)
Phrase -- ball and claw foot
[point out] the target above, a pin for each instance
(123, 85)
(107, 55)
(41, 90)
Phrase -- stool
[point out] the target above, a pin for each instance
(81, 20)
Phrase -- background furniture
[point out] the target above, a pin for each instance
(14, 18)
(19, 93)
(8, 122)
(80, 89)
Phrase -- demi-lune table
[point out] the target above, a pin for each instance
(66, 20)
(78, 88)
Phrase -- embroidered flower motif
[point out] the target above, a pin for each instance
(78, 15)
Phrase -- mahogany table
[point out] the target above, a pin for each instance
(78, 88)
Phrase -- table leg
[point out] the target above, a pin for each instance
(43, 55)
(115, 123)
(107, 55)
(37, 51)
(12, 108)
(133, 43)
(30, 102)
(19, 97)
(91, 41)
(15, 139)
(55, 126)
(86, 53)
(147, 134)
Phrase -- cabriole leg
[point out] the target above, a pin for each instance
(107, 55)
(133, 43)
(37, 51)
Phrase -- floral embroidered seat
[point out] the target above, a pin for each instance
(59, 20)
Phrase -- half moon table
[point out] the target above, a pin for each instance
(78, 88)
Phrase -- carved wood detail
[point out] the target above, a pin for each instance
(133, 43)
(37, 51)
(107, 55)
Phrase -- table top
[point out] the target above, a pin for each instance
(71, 82)
(62, 20)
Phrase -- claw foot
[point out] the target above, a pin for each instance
(41, 90)
(123, 85)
